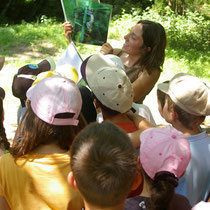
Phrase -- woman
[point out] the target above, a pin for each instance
(34, 175)
(142, 54)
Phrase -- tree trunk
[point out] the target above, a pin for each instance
(183, 7)
(2, 14)
(170, 3)
(176, 7)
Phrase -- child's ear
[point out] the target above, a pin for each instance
(138, 163)
(173, 115)
(72, 181)
(137, 181)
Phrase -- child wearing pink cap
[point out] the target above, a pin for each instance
(34, 175)
(164, 157)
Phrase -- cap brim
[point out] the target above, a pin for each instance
(47, 65)
(83, 69)
(163, 87)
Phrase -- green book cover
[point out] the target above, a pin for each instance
(90, 20)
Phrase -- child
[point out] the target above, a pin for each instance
(112, 89)
(104, 166)
(187, 102)
(164, 156)
(41, 161)
(23, 80)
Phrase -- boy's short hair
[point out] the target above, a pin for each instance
(186, 119)
(104, 164)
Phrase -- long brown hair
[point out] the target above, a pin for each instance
(33, 132)
(161, 193)
(154, 36)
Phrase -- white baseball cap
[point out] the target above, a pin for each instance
(107, 79)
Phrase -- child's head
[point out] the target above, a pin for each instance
(188, 97)
(110, 85)
(104, 164)
(164, 156)
(52, 115)
(26, 75)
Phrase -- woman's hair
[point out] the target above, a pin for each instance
(154, 36)
(104, 164)
(34, 132)
(187, 120)
(161, 190)
(3, 137)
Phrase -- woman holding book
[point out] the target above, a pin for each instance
(142, 54)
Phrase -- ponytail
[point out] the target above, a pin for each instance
(161, 189)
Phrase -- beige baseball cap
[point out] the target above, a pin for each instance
(189, 93)
(107, 79)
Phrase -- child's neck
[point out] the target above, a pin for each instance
(146, 189)
(118, 118)
(186, 131)
(92, 207)
(51, 148)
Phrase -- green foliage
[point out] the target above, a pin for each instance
(188, 47)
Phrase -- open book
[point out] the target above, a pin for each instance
(90, 20)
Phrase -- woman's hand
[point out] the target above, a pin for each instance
(68, 30)
(106, 49)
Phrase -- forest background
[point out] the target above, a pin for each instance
(31, 30)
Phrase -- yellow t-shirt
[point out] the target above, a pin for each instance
(38, 181)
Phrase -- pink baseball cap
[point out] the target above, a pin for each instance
(54, 96)
(164, 149)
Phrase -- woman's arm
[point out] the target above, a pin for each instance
(3, 204)
(68, 29)
(144, 84)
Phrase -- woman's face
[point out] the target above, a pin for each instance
(134, 41)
